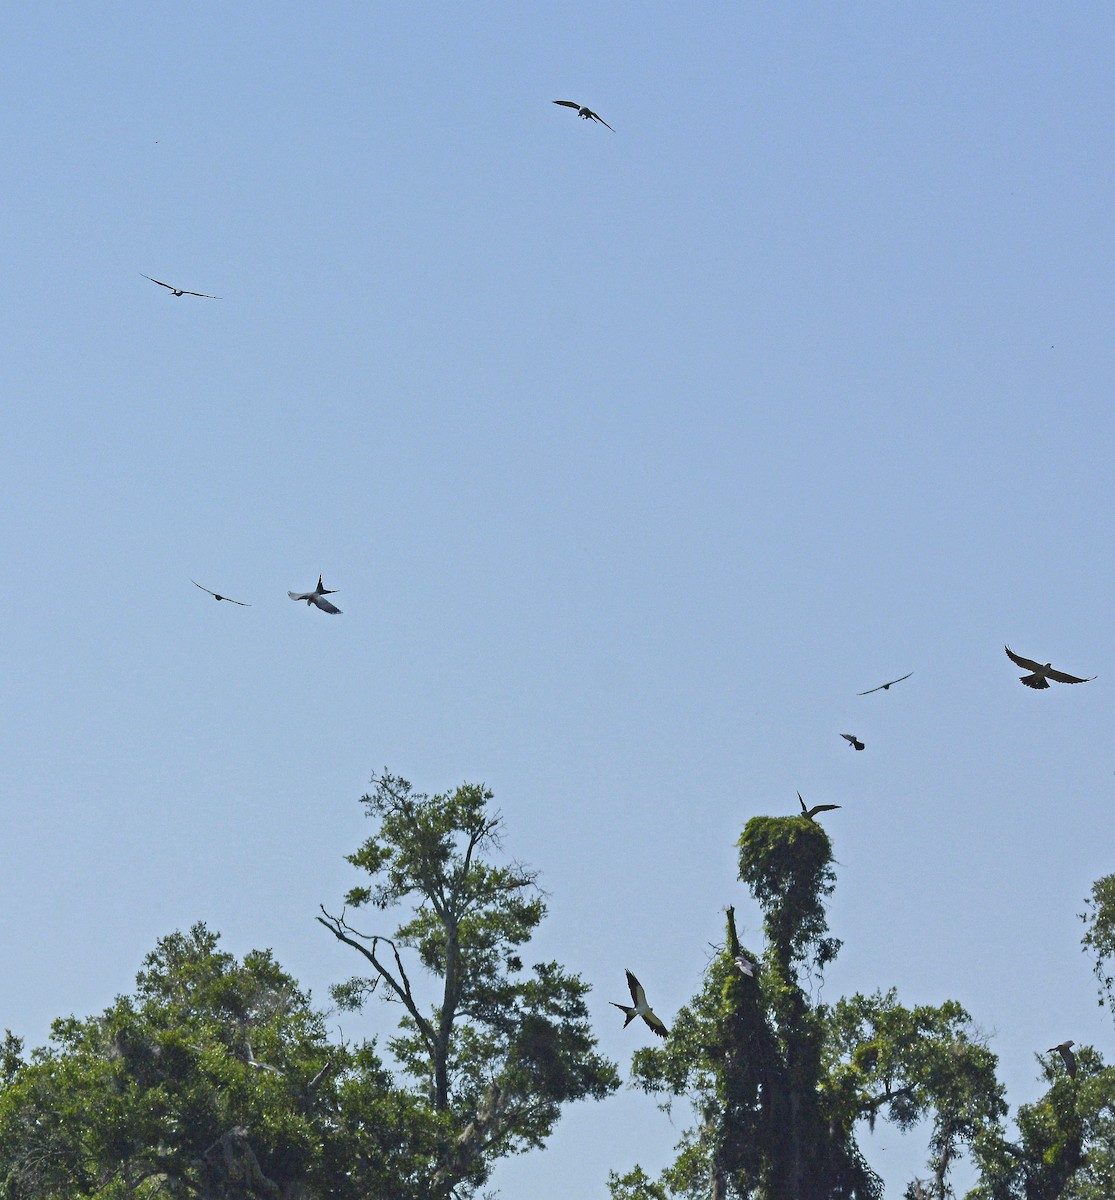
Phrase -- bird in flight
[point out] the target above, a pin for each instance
(852, 740)
(1042, 672)
(745, 965)
(586, 113)
(180, 291)
(1065, 1051)
(216, 596)
(810, 813)
(317, 596)
(884, 686)
(641, 1007)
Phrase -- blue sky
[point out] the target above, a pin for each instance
(633, 456)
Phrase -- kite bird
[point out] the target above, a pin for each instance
(1065, 1051)
(852, 740)
(217, 596)
(641, 1009)
(810, 813)
(317, 596)
(583, 112)
(884, 686)
(180, 291)
(1042, 672)
(745, 965)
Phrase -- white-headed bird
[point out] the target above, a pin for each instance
(641, 1007)
(854, 741)
(810, 813)
(317, 596)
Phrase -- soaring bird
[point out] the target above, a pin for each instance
(884, 686)
(854, 741)
(317, 596)
(180, 291)
(641, 1007)
(219, 597)
(586, 113)
(1042, 672)
(745, 965)
(810, 813)
(1065, 1051)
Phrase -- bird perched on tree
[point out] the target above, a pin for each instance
(641, 1008)
(1065, 1051)
(180, 291)
(317, 596)
(219, 597)
(884, 686)
(810, 813)
(586, 113)
(854, 741)
(1042, 672)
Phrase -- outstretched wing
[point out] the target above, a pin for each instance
(802, 803)
(655, 1024)
(301, 596)
(1028, 663)
(818, 808)
(598, 117)
(218, 596)
(638, 996)
(568, 103)
(168, 286)
(324, 604)
(1062, 677)
(203, 295)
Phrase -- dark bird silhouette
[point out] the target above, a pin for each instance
(1065, 1051)
(217, 596)
(854, 741)
(884, 686)
(641, 1007)
(810, 813)
(317, 596)
(584, 112)
(1042, 672)
(180, 291)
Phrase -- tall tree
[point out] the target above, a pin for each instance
(778, 1082)
(494, 1049)
(215, 1080)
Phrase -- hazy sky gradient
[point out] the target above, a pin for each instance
(633, 456)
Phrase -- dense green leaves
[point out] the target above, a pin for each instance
(778, 1083)
(500, 1049)
(215, 1078)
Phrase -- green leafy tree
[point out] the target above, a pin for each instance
(1063, 1144)
(494, 1050)
(216, 1079)
(778, 1083)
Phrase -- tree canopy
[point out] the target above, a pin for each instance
(778, 1082)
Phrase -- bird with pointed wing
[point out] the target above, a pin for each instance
(585, 113)
(1042, 672)
(217, 596)
(180, 291)
(1067, 1056)
(883, 687)
(317, 597)
(810, 813)
(852, 740)
(641, 1008)
(746, 965)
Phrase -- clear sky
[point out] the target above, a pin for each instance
(634, 455)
